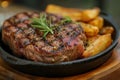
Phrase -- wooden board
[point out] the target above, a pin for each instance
(105, 70)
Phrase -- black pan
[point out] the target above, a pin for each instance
(64, 68)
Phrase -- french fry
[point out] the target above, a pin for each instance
(98, 22)
(89, 30)
(74, 14)
(100, 44)
(106, 30)
(90, 14)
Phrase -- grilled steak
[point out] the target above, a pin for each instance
(66, 44)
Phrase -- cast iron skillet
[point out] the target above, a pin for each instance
(64, 68)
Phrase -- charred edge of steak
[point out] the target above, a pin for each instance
(66, 44)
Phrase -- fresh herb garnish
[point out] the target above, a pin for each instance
(66, 19)
(43, 24)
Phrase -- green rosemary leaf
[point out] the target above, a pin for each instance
(46, 32)
(66, 19)
(43, 24)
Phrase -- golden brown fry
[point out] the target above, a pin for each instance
(75, 14)
(98, 22)
(106, 30)
(90, 40)
(98, 45)
(90, 14)
(90, 30)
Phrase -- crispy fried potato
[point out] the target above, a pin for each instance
(75, 14)
(106, 30)
(90, 30)
(90, 40)
(98, 22)
(90, 14)
(100, 44)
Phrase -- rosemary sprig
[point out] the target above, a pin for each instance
(43, 24)
(66, 19)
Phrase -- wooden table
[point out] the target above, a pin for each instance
(108, 71)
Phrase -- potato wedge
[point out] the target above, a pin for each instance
(98, 22)
(74, 14)
(90, 14)
(90, 30)
(106, 30)
(100, 44)
(90, 40)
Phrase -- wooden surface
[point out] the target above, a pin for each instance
(110, 70)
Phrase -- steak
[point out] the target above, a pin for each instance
(66, 44)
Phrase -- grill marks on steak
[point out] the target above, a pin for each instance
(66, 44)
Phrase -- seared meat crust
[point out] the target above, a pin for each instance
(66, 44)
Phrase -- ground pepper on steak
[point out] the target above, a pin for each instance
(66, 44)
